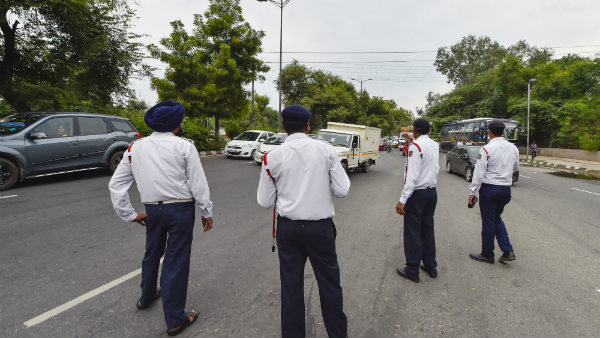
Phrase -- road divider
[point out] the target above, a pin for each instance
(72, 303)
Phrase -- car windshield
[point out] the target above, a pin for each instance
(247, 136)
(473, 151)
(335, 139)
(13, 124)
(276, 139)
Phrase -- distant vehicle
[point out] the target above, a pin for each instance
(462, 159)
(382, 143)
(33, 144)
(395, 141)
(355, 144)
(246, 143)
(474, 131)
(270, 144)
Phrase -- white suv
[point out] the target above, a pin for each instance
(246, 143)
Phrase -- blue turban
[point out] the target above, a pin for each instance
(165, 116)
(295, 112)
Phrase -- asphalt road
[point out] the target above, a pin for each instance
(61, 239)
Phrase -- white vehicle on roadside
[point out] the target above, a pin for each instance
(270, 144)
(246, 143)
(357, 146)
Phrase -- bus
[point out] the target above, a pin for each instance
(474, 131)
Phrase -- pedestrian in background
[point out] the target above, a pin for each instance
(302, 176)
(418, 201)
(492, 178)
(170, 180)
(533, 150)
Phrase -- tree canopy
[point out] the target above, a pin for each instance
(565, 100)
(57, 54)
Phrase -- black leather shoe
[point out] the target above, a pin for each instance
(482, 258)
(507, 256)
(432, 272)
(402, 272)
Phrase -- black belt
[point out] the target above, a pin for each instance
(495, 185)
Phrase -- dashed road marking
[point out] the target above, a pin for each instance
(589, 192)
(524, 176)
(11, 196)
(66, 306)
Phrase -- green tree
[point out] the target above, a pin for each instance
(207, 70)
(54, 54)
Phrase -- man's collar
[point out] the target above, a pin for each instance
(159, 133)
(499, 138)
(295, 136)
(423, 135)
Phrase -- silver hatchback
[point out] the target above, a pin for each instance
(32, 144)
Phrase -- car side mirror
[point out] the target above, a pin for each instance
(38, 135)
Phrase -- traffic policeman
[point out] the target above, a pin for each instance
(418, 201)
(492, 178)
(171, 181)
(302, 176)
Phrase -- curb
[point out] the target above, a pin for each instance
(210, 152)
(552, 165)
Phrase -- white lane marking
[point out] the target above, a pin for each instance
(524, 176)
(598, 290)
(589, 192)
(66, 306)
(8, 196)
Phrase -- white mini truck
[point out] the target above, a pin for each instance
(357, 146)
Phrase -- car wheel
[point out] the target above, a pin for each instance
(229, 156)
(9, 174)
(366, 166)
(114, 161)
(345, 166)
(469, 174)
(258, 163)
(448, 169)
(252, 154)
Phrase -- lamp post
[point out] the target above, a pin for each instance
(531, 81)
(361, 82)
(280, 4)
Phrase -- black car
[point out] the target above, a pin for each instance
(462, 159)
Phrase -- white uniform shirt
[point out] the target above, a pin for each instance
(307, 174)
(422, 166)
(165, 167)
(495, 164)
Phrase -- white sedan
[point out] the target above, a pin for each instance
(270, 144)
(246, 143)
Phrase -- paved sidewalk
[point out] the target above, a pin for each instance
(557, 162)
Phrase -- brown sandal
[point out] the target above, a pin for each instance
(139, 302)
(192, 316)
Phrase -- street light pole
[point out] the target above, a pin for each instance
(531, 81)
(361, 83)
(281, 4)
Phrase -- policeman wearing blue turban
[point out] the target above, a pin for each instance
(302, 177)
(171, 182)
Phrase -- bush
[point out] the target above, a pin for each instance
(233, 129)
(195, 130)
(589, 142)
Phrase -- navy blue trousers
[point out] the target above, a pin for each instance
(492, 200)
(170, 227)
(296, 241)
(419, 238)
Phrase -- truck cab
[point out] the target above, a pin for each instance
(356, 145)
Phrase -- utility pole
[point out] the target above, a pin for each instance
(361, 82)
(531, 81)
(281, 4)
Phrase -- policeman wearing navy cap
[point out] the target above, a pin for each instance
(301, 177)
(171, 182)
(418, 201)
(492, 177)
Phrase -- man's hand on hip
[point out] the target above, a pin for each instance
(207, 223)
(400, 208)
(141, 219)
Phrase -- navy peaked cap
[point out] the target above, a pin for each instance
(295, 112)
(421, 123)
(496, 124)
(165, 116)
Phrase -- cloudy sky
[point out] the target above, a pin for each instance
(376, 26)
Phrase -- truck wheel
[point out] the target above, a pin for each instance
(345, 166)
(114, 160)
(9, 174)
(366, 166)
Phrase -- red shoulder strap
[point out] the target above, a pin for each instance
(485, 150)
(420, 151)
(129, 151)
(268, 171)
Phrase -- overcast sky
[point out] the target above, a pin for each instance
(387, 26)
